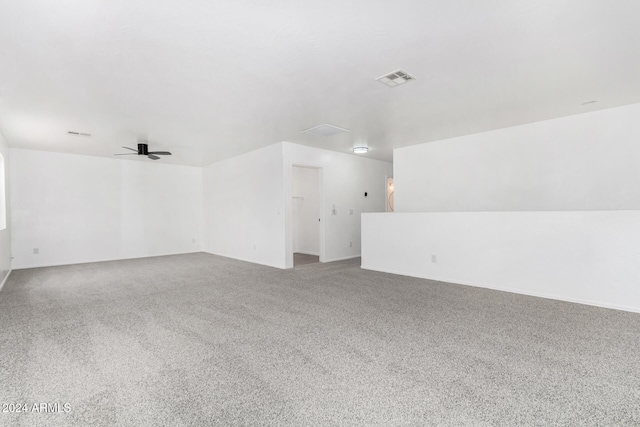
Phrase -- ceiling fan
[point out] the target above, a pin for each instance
(143, 150)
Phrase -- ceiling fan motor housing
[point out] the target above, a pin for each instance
(143, 149)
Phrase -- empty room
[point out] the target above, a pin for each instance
(310, 213)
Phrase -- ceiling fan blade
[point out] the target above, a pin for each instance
(152, 157)
(130, 149)
(126, 154)
(160, 153)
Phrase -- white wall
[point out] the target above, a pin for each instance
(561, 210)
(345, 179)
(306, 211)
(244, 207)
(581, 162)
(248, 202)
(80, 208)
(589, 257)
(5, 233)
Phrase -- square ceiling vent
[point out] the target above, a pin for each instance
(325, 130)
(76, 133)
(396, 78)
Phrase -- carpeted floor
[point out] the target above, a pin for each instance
(204, 340)
(304, 259)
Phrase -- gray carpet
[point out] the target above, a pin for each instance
(304, 259)
(204, 340)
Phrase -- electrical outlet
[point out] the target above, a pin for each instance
(254, 246)
(434, 259)
(36, 251)
(350, 211)
(350, 244)
(193, 240)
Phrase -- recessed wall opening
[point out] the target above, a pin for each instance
(306, 203)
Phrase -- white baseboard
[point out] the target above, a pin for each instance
(244, 260)
(512, 290)
(307, 253)
(23, 267)
(5, 279)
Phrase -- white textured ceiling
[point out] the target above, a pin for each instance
(212, 79)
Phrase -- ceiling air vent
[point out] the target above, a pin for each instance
(396, 78)
(75, 133)
(325, 130)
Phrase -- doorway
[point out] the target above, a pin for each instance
(390, 190)
(306, 212)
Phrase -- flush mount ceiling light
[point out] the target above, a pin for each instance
(360, 150)
(395, 78)
(325, 130)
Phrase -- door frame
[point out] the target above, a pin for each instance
(289, 210)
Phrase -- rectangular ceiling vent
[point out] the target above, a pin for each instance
(396, 78)
(325, 130)
(74, 133)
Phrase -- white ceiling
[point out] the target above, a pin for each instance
(212, 79)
